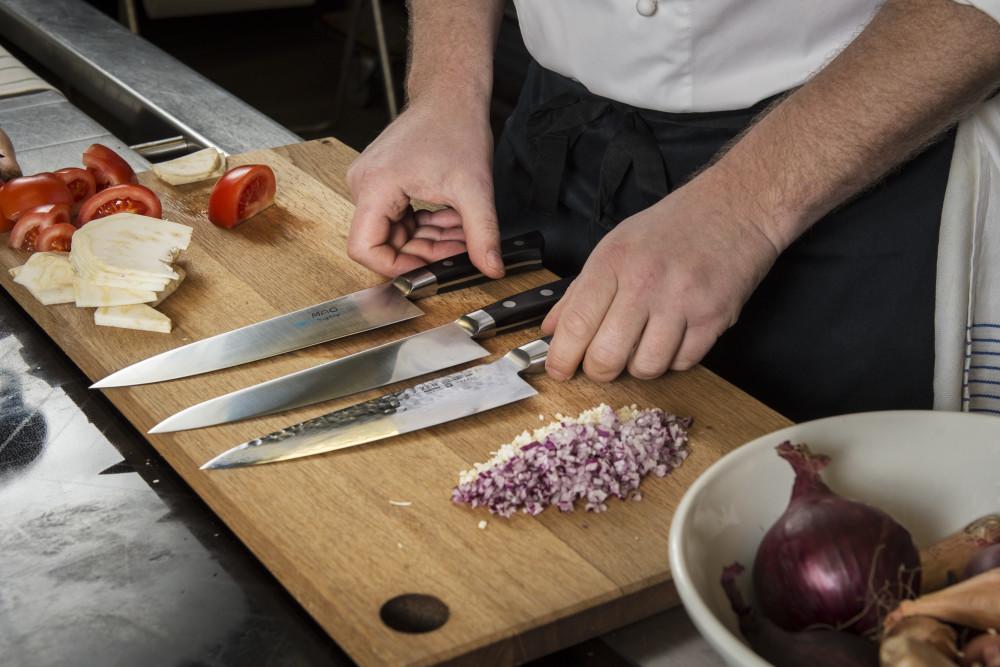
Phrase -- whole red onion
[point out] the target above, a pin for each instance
(829, 561)
(815, 648)
(984, 560)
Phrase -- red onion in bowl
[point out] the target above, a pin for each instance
(815, 648)
(984, 560)
(830, 562)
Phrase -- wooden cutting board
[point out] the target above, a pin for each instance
(324, 526)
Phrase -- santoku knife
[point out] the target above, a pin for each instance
(425, 352)
(361, 311)
(437, 401)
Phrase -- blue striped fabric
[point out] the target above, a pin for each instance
(981, 384)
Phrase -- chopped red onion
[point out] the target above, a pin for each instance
(599, 454)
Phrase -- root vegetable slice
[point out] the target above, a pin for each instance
(139, 317)
(130, 245)
(48, 276)
(171, 286)
(90, 295)
(199, 166)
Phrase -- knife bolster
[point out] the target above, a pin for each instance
(479, 324)
(417, 283)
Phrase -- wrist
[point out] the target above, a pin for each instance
(755, 197)
(469, 90)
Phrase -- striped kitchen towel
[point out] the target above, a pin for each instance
(967, 311)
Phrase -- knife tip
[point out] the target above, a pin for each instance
(160, 428)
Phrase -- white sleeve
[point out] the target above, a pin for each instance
(989, 7)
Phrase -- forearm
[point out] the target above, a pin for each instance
(451, 49)
(916, 69)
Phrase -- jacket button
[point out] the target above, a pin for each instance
(646, 7)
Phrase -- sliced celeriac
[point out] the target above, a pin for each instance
(171, 286)
(48, 276)
(45, 270)
(137, 316)
(90, 295)
(199, 166)
(130, 246)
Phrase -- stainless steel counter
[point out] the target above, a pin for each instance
(86, 47)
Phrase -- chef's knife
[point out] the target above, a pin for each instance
(425, 352)
(361, 311)
(430, 403)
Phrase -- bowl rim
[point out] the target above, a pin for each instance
(724, 641)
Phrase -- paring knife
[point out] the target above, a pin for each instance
(425, 352)
(350, 314)
(430, 403)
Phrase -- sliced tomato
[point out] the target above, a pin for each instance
(107, 166)
(120, 199)
(240, 194)
(27, 192)
(81, 183)
(56, 237)
(5, 224)
(24, 235)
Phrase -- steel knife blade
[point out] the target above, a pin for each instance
(419, 354)
(430, 403)
(350, 314)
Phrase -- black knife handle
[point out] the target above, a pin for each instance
(523, 309)
(519, 253)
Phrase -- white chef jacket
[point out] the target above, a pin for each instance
(694, 55)
(690, 55)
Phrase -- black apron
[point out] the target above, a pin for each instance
(844, 322)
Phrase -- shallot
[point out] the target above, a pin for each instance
(942, 562)
(919, 640)
(984, 561)
(974, 603)
(982, 651)
(830, 562)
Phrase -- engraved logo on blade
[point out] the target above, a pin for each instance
(321, 315)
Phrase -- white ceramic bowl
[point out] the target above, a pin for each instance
(933, 471)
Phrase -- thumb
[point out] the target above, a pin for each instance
(482, 232)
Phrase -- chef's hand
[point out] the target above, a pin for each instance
(438, 152)
(660, 288)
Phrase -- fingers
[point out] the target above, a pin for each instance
(372, 235)
(580, 318)
(552, 318)
(609, 351)
(482, 233)
(697, 342)
(658, 346)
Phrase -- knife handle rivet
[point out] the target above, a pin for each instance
(447, 262)
(509, 304)
(519, 243)
(546, 292)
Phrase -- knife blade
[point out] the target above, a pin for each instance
(353, 313)
(430, 403)
(425, 352)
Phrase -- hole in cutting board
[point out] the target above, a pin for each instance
(414, 612)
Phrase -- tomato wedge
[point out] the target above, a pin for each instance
(5, 224)
(27, 192)
(107, 166)
(55, 237)
(24, 235)
(241, 193)
(81, 183)
(127, 198)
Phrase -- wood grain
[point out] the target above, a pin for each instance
(324, 525)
